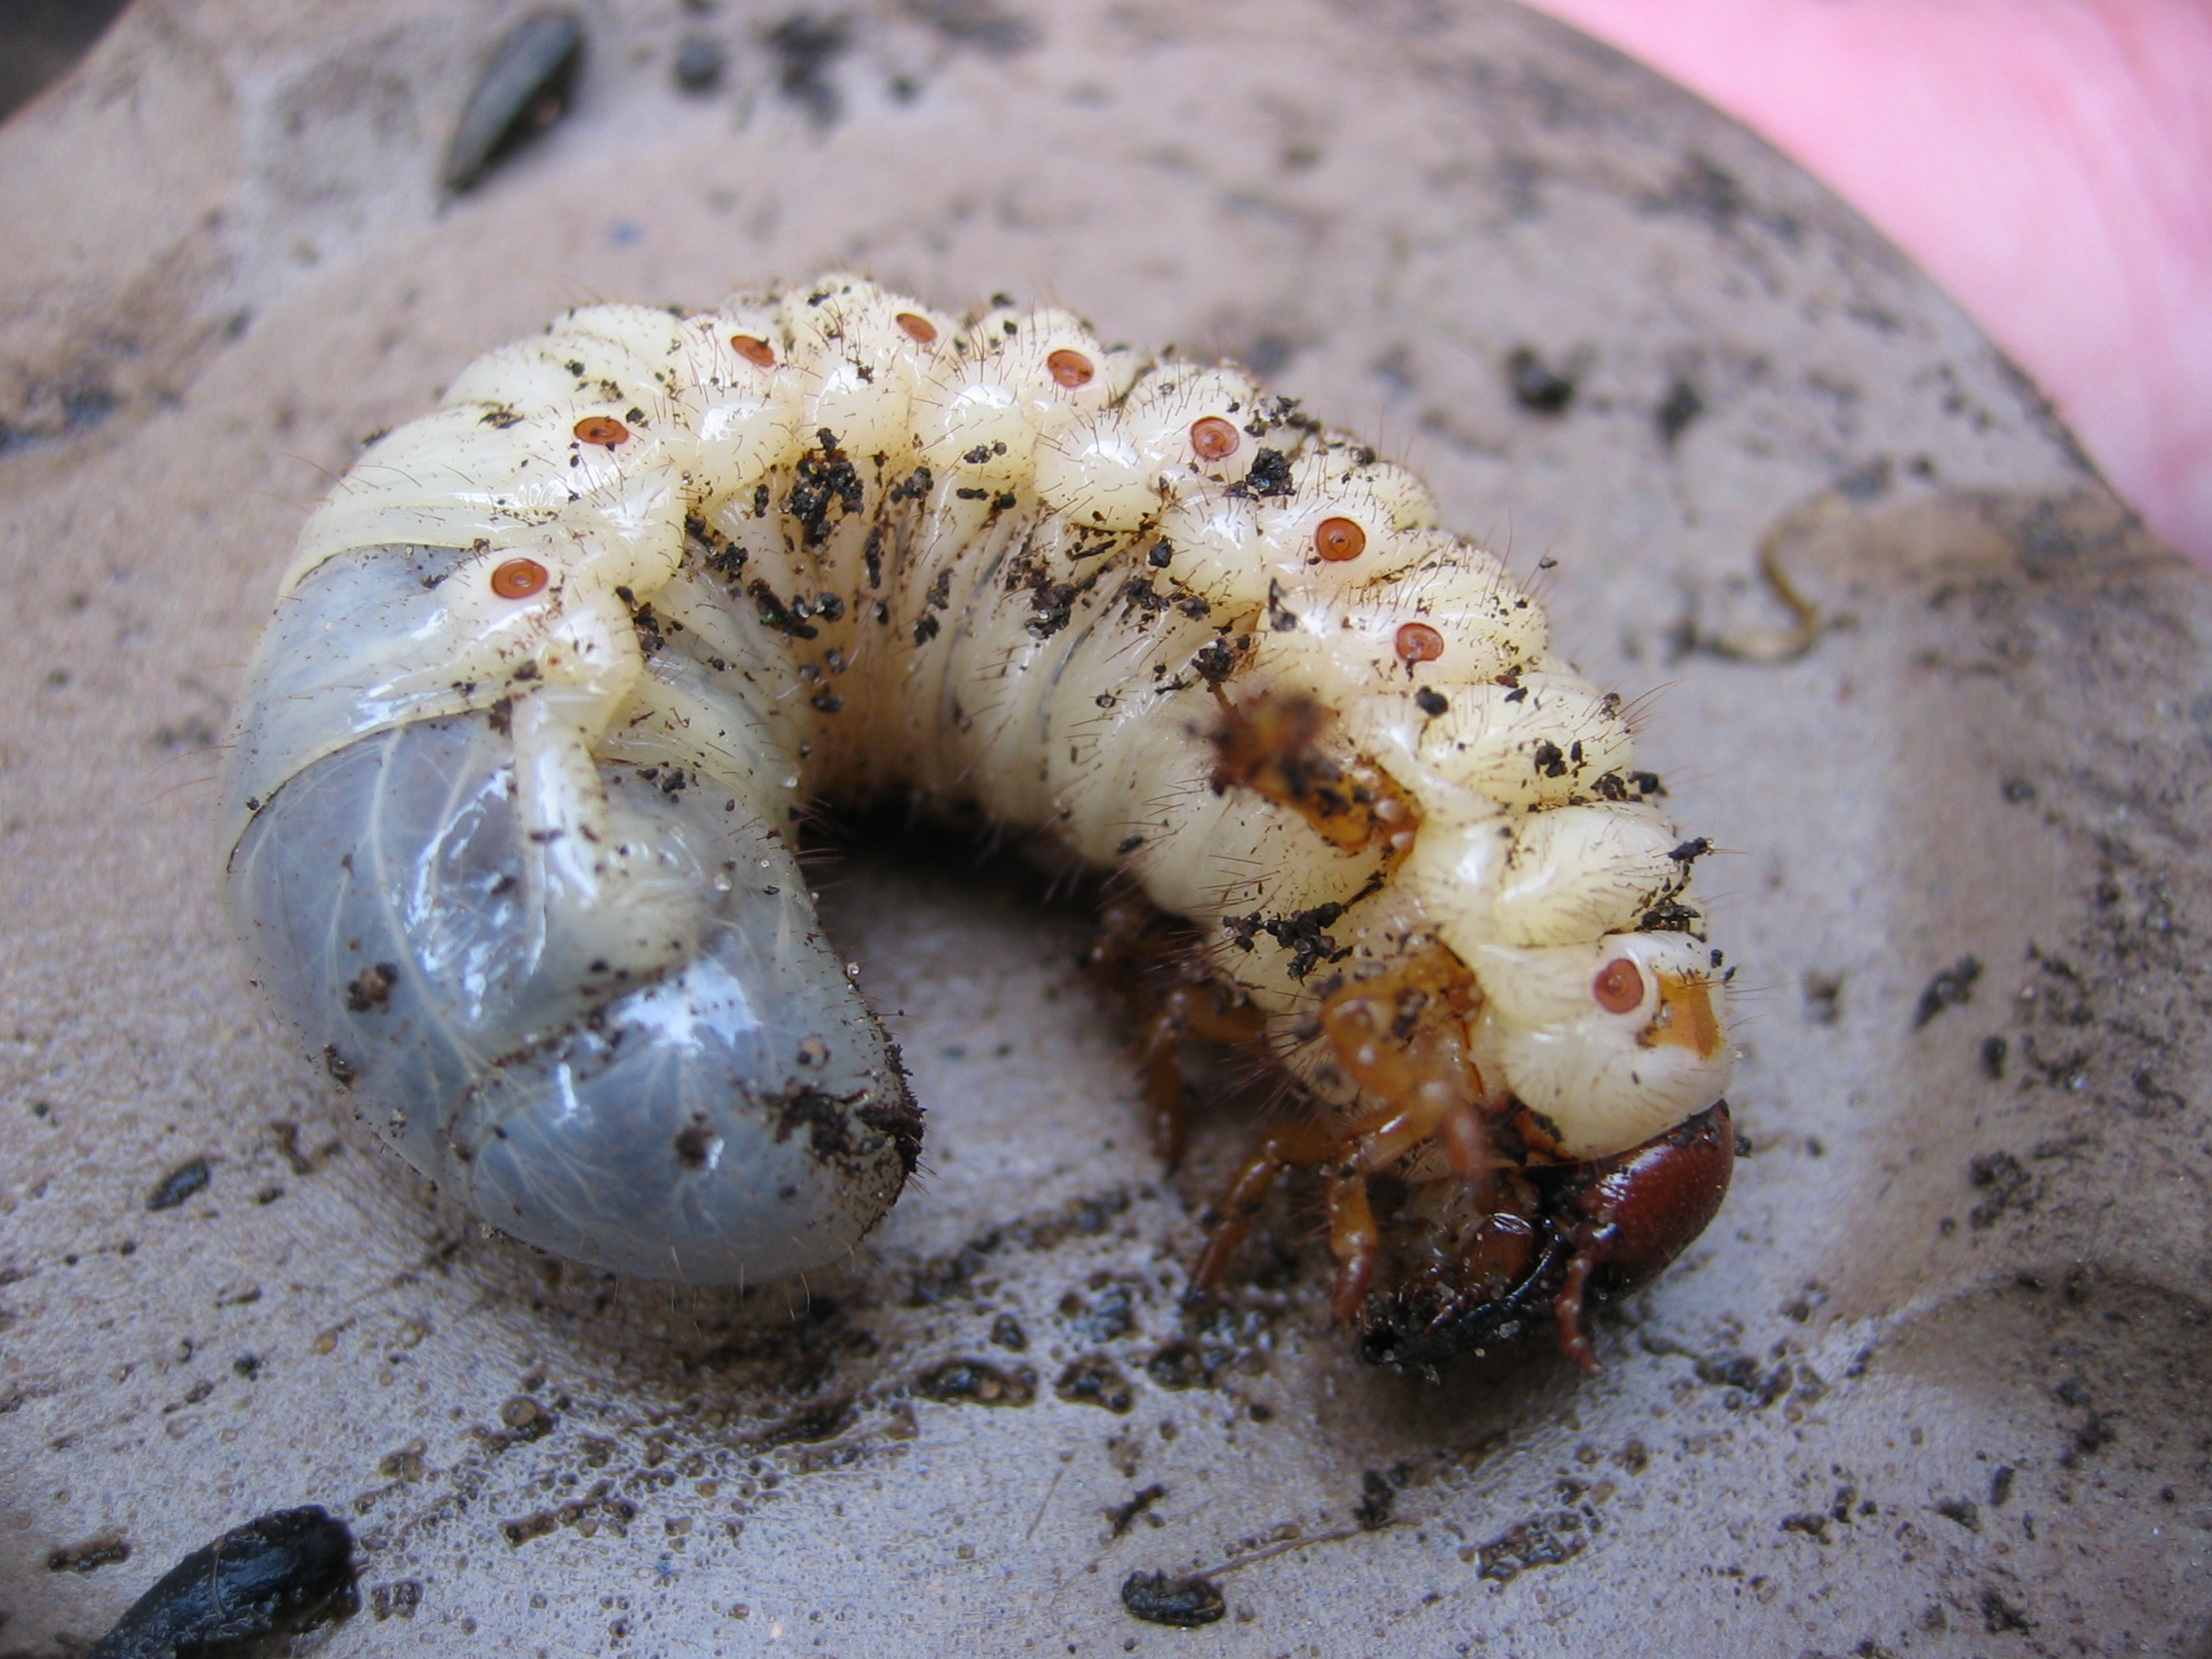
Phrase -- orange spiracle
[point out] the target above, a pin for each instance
(601, 429)
(1337, 539)
(918, 328)
(753, 350)
(1418, 641)
(1070, 369)
(518, 578)
(1618, 987)
(1213, 439)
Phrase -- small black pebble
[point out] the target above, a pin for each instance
(1184, 1603)
(1672, 417)
(278, 1573)
(524, 89)
(699, 64)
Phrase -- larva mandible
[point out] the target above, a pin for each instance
(512, 803)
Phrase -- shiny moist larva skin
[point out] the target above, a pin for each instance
(512, 805)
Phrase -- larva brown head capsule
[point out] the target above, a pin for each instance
(1070, 369)
(1560, 1234)
(917, 328)
(601, 429)
(753, 350)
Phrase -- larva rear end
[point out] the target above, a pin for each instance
(559, 665)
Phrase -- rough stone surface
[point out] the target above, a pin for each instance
(1930, 1386)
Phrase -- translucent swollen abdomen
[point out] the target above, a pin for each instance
(733, 1114)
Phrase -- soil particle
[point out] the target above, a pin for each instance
(2005, 1187)
(978, 1382)
(1183, 1603)
(1124, 1515)
(1378, 1499)
(1541, 1540)
(1536, 386)
(806, 47)
(396, 1600)
(102, 1549)
(699, 64)
(1947, 989)
(1096, 1380)
(1183, 1365)
(179, 1185)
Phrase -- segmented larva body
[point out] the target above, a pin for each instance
(512, 810)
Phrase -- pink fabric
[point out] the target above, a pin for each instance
(2049, 162)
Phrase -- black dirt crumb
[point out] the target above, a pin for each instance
(2004, 1185)
(1096, 1380)
(695, 1145)
(1962, 1511)
(1180, 1365)
(975, 1382)
(1541, 1540)
(1823, 998)
(93, 1553)
(806, 47)
(1124, 1515)
(1184, 1603)
(179, 1185)
(2000, 1617)
(699, 64)
(1673, 417)
(1377, 1498)
(1537, 385)
(526, 1418)
(1949, 989)
(396, 1600)
(372, 987)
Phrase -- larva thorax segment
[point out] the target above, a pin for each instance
(695, 571)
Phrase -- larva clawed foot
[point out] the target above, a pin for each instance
(512, 803)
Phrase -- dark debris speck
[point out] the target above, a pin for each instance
(1183, 1603)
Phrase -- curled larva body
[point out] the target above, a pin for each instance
(511, 813)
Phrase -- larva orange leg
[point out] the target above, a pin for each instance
(1186, 1012)
(1139, 951)
(1567, 1308)
(1355, 1241)
(1306, 1141)
(1166, 1102)
(1401, 1036)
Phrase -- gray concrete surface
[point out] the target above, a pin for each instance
(1929, 1384)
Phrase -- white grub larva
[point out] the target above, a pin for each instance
(510, 822)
